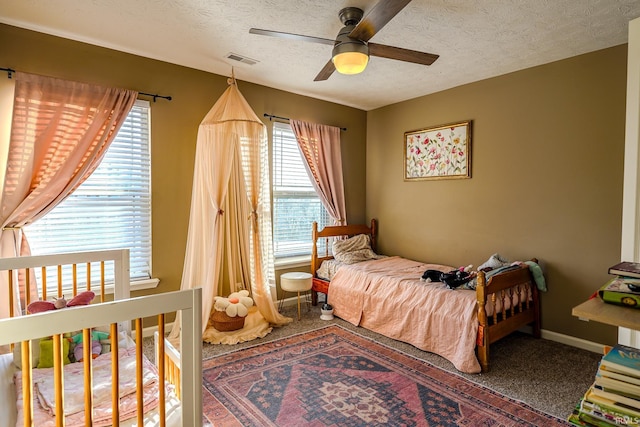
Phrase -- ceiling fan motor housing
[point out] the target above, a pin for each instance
(350, 16)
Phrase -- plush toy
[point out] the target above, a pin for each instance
(83, 298)
(96, 347)
(236, 304)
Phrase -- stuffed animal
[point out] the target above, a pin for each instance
(83, 298)
(96, 347)
(236, 304)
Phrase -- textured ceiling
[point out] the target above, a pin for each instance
(475, 39)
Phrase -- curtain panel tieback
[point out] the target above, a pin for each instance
(220, 212)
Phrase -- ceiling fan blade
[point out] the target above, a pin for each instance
(381, 13)
(326, 72)
(291, 36)
(407, 55)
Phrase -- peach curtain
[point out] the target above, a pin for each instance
(230, 210)
(320, 147)
(60, 131)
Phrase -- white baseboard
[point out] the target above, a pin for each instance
(292, 301)
(573, 341)
(150, 330)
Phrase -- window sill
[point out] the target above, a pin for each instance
(136, 285)
(293, 262)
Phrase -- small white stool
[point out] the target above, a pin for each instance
(296, 282)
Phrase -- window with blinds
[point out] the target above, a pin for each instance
(295, 202)
(111, 209)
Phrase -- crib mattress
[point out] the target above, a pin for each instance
(173, 408)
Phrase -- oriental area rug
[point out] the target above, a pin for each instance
(334, 377)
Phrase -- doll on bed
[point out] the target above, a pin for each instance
(96, 347)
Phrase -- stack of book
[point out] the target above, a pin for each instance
(624, 288)
(614, 397)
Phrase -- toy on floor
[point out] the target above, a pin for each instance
(236, 304)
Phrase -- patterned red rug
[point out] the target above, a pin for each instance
(333, 377)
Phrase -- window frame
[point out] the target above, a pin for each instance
(282, 133)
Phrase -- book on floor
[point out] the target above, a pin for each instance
(622, 359)
(626, 268)
(623, 387)
(619, 399)
(603, 371)
(618, 291)
(608, 409)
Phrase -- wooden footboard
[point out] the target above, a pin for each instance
(512, 299)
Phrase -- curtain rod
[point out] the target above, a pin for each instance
(271, 116)
(9, 71)
(155, 96)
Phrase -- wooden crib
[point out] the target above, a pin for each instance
(48, 395)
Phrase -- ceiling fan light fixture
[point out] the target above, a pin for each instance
(350, 57)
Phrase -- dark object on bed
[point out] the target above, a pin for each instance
(491, 293)
(452, 279)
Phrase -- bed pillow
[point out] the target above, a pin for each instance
(354, 249)
(46, 353)
(35, 353)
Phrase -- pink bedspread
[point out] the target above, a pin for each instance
(388, 297)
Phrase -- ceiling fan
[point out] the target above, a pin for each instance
(351, 48)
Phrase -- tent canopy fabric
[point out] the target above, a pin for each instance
(230, 219)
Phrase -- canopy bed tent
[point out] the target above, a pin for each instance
(229, 237)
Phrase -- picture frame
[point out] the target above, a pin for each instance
(439, 152)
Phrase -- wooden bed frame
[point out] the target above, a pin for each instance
(119, 314)
(498, 288)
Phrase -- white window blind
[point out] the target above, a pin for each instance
(112, 208)
(295, 203)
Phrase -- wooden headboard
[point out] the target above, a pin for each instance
(339, 231)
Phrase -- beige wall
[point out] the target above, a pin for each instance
(547, 156)
(547, 147)
(175, 125)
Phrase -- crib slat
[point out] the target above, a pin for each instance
(74, 278)
(139, 390)
(27, 285)
(88, 276)
(161, 371)
(102, 293)
(59, 281)
(27, 386)
(44, 283)
(115, 377)
(11, 293)
(88, 377)
(58, 379)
